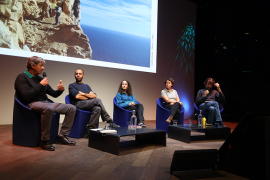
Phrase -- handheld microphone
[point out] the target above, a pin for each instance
(44, 74)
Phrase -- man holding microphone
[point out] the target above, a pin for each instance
(31, 90)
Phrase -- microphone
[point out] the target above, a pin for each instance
(44, 74)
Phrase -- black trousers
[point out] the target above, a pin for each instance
(139, 111)
(175, 109)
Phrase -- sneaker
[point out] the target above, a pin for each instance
(221, 123)
(142, 124)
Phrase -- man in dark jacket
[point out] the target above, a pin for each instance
(207, 100)
(31, 90)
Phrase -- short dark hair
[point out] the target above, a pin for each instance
(211, 80)
(129, 89)
(79, 69)
(170, 79)
(33, 61)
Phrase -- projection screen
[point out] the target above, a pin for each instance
(107, 33)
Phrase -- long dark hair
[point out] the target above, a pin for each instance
(129, 89)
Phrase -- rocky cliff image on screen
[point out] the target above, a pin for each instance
(33, 25)
(104, 31)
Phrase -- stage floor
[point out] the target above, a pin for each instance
(81, 162)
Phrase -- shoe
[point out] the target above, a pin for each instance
(169, 119)
(46, 145)
(142, 124)
(113, 125)
(110, 121)
(86, 135)
(62, 139)
(221, 123)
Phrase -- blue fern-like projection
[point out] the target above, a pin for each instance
(183, 55)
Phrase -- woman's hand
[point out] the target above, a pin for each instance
(132, 104)
(181, 103)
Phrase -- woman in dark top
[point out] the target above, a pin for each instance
(125, 99)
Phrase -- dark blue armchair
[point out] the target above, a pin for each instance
(162, 114)
(121, 115)
(26, 130)
(81, 119)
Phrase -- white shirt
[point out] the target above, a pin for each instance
(171, 95)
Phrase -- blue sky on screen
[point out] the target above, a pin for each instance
(127, 16)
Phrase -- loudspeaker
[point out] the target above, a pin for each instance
(247, 150)
(194, 159)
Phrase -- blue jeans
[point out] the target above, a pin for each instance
(213, 111)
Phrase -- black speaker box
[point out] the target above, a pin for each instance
(194, 159)
(247, 150)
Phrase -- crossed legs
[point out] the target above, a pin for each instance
(213, 109)
(97, 109)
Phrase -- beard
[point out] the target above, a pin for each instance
(78, 80)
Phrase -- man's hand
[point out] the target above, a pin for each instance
(181, 103)
(44, 82)
(218, 87)
(205, 93)
(60, 86)
(81, 93)
(92, 93)
(132, 104)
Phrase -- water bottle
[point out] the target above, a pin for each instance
(200, 118)
(133, 121)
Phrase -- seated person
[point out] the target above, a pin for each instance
(172, 101)
(125, 99)
(31, 90)
(82, 96)
(207, 99)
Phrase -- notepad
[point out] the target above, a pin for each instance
(108, 131)
(104, 131)
(98, 129)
